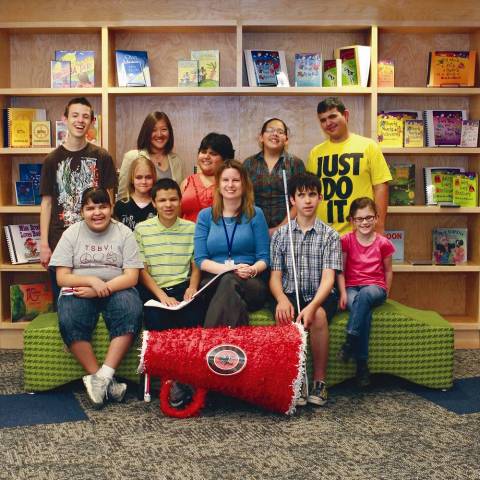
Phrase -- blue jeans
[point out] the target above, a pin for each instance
(78, 317)
(360, 301)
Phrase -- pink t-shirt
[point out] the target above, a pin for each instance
(364, 265)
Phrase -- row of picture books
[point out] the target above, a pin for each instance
(443, 186)
(449, 247)
(29, 127)
(350, 67)
(428, 128)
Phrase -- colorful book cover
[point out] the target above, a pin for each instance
(23, 242)
(450, 245)
(41, 136)
(24, 193)
(208, 67)
(61, 132)
(20, 113)
(444, 127)
(94, 134)
(389, 130)
(187, 73)
(402, 187)
(264, 67)
(308, 70)
(132, 68)
(332, 73)
(439, 184)
(31, 172)
(397, 237)
(469, 136)
(59, 74)
(82, 66)
(27, 301)
(20, 133)
(414, 134)
(386, 73)
(465, 189)
(451, 68)
(350, 74)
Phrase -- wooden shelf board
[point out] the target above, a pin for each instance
(24, 209)
(26, 151)
(8, 325)
(426, 91)
(463, 322)
(23, 267)
(265, 26)
(264, 91)
(432, 151)
(433, 210)
(409, 268)
(50, 92)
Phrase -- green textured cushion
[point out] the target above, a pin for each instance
(48, 364)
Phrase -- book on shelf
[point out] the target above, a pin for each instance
(443, 127)
(386, 73)
(59, 74)
(449, 246)
(332, 73)
(20, 133)
(389, 130)
(187, 73)
(31, 172)
(133, 69)
(465, 189)
(94, 134)
(355, 64)
(82, 66)
(266, 68)
(24, 193)
(451, 68)
(402, 187)
(413, 134)
(439, 184)
(61, 132)
(208, 67)
(41, 136)
(14, 114)
(308, 69)
(469, 135)
(397, 237)
(27, 301)
(23, 243)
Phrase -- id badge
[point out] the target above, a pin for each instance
(230, 262)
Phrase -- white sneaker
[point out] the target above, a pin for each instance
(116, 390)
(96, 389)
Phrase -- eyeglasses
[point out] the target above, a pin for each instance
(278, 131)
(368, 219)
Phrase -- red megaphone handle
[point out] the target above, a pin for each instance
(191, 410)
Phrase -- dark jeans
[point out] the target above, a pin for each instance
(230, 298)
(189, 316)
(52, 272)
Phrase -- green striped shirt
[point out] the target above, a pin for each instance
(167, 252)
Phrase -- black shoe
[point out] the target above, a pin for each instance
(362, 377)
(180, 395)
(347, 350)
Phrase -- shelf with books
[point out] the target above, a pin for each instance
(425, 91)
(460, 268)
(23, 267)
(433, 151)
(51, 92)
(26, 151)
(432, 210)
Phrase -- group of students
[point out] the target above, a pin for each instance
(174, 234)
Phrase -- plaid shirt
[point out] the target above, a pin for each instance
(315, 250)
(268, 187)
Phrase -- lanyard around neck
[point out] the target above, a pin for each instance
(229, 240)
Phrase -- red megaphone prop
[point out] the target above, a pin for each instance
(260, 365)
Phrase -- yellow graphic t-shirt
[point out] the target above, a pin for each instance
(347, 170)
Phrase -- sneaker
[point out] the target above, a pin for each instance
(318, 395)
(362, 377)
(116, 391)
(96, 389)
(347, 351)
(302, 399)
(180, 395)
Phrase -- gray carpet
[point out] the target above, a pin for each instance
(386, 433)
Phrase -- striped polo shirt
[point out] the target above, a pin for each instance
(167, 252)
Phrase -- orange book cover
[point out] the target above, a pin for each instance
(386, 73)
(27, 301)
(452, 68)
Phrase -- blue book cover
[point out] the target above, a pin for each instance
(24, 193)
(30, 172)
(267, 65)
(308, 70)
(132, 68)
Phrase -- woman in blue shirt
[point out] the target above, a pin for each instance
(232, 235)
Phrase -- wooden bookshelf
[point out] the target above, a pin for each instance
(238, 110)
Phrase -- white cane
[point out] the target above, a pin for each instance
(292, 253)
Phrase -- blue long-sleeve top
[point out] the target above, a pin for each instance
(250, 244)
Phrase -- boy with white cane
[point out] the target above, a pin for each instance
(317, 255)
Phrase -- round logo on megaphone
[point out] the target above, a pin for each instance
(226, 359)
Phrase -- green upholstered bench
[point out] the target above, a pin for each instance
(48, 364)
(416, 345)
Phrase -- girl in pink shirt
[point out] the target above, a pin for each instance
(365, 283)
